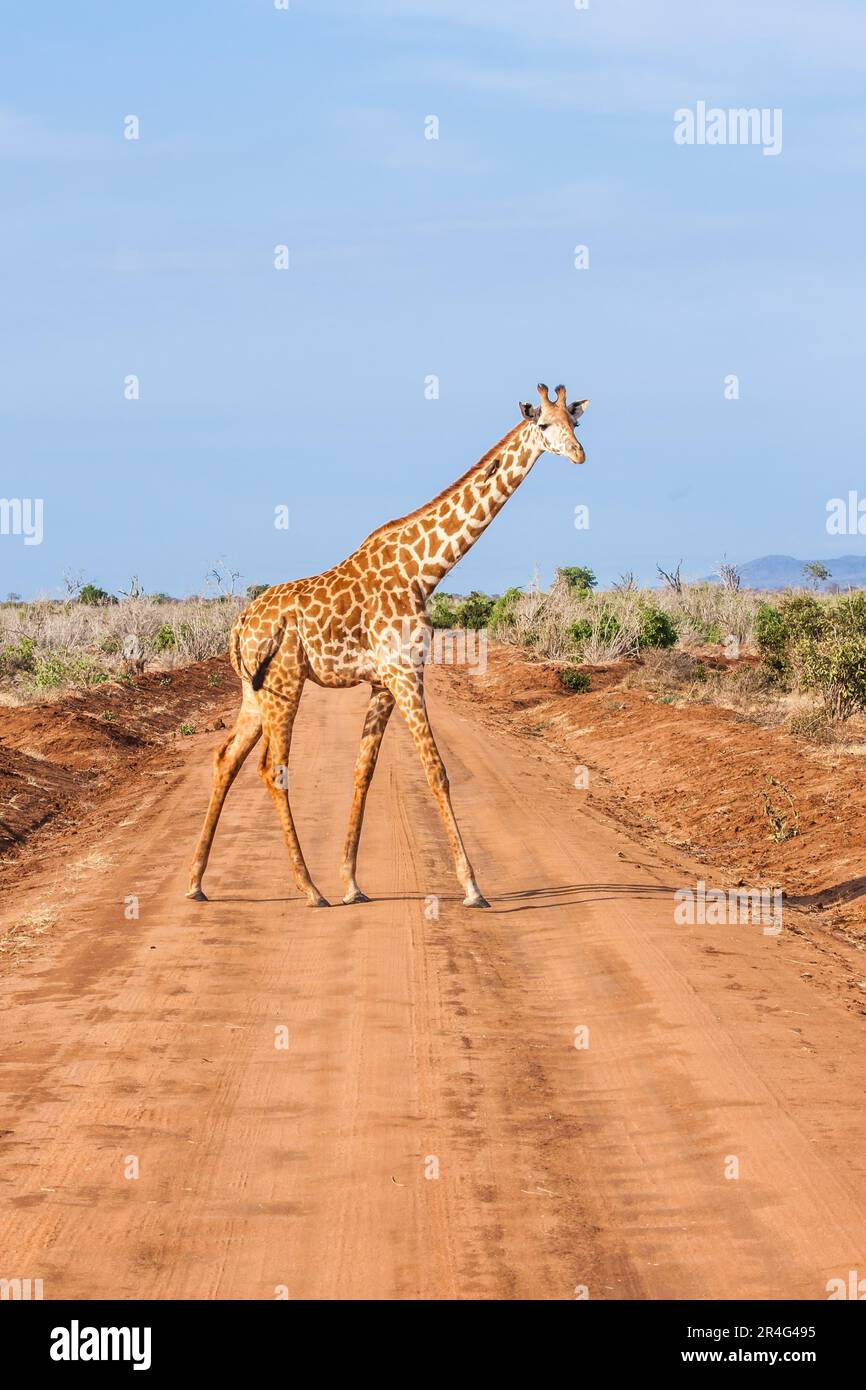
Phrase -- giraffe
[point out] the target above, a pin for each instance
(365, 620)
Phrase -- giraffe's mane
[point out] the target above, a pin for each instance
(446, 491)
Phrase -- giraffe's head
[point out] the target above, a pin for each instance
(555, 422)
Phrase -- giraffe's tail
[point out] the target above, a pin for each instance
(235, 653)
(257, 679)
(264, 656)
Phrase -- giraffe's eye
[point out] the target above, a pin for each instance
(545, 427)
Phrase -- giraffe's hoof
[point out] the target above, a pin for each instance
(356, 897)
(197, 895)
(476, 901)
(318, 901)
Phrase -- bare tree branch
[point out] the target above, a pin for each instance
(672, 577)
(728, 574)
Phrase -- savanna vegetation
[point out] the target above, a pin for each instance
(84, 641)
(798, 655)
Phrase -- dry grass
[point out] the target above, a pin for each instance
(25, 932)
(680, 677)
(47, 647)
(708, 622)
(817, 726)
(701, 614)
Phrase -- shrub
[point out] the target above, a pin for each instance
(847, 613)
(474, 611)
(657, 627)
(580, 632)
(55, 669)
(92, 595)
(835, 668)
(750, 681)
(578, 577)
(605, 629)
(575, 679)
(440, 611)
(803, 616)
(500, 613)
(814, 725)
(164, 639)
(19, 656)
(780, 810)
(770, 630)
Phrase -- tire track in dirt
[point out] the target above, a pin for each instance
(412, 1039)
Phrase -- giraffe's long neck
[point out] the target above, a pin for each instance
(430, 541)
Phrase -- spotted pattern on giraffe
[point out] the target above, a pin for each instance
(366, 620)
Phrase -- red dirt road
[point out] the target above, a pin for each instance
(416, 1045)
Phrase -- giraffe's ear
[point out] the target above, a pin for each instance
(576, 409)
(529, 412)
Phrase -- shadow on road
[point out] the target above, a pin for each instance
(523, 900)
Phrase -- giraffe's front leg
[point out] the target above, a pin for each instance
(274, 770)
(408, 691)
(378, 713)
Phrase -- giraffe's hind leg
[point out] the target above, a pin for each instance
(280, 709)
(378, 713)
(228, 760)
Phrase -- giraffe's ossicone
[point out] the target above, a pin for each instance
(366, 620)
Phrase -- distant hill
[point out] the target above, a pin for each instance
(782, 571)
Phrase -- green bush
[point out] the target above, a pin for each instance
(847, 614)
(19, 656)
(63, 668)
(164, 639)
(771, 633)
(474, 611)
(656, 627)
(578, 577)
(49, 672)
(575, 679)
(835, 668)
(803, 616)
(607, 627)
(93, 595)
(502, 608)
(815, 645)
(441, 612)
(580, 632)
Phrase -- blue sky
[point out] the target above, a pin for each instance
(411, 257)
